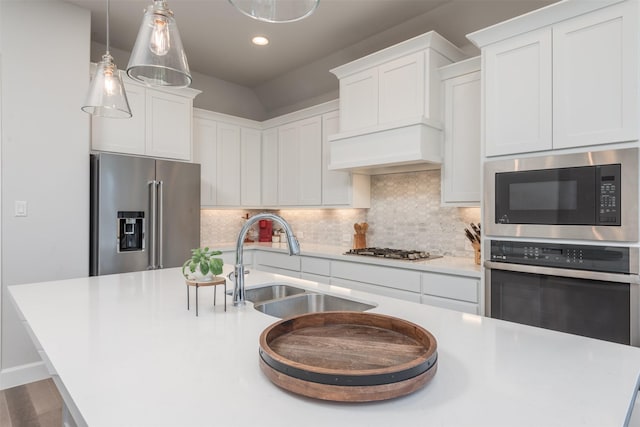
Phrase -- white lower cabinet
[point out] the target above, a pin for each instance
(315, 269)
(229, 257)
(278, 263)
(376, 289)
(454, 292)
(386, 281)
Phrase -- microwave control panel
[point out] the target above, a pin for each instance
(608, 180)
(612, 259)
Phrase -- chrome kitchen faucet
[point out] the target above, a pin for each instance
(294, 249)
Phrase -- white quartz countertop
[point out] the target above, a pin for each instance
(462, 266)
(129, 353)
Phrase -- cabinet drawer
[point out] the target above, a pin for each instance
(319, 266)
(314, 277)
(281, 271)
(278, 260)
(229, 257)
(454, 287)
(385, 276)
(465, 307)
(378, 290)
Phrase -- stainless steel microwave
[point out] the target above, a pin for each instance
(591, 196)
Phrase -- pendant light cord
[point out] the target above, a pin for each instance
(108, 53)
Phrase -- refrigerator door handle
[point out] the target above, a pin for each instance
(153, 224)
(160, 221)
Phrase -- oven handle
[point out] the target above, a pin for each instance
(565, 272)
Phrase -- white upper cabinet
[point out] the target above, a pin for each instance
(341, 188)
(205, 147)
(300, 163)
(228, 150)
(359, 100)
(269, 170)
(461, 166)
(228, 165)
(168, 125)
(518, 94)
(123, 135)
(562, 77)
(402, 89)
(390, 108)
(250, 167)
(396, 84)
(161, 125)
(595, 77)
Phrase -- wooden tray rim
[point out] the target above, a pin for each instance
(429, 356)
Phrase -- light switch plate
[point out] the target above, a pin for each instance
(20, 207)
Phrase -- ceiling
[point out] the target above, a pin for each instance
(217, 38)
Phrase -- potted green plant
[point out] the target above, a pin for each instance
(202, 265)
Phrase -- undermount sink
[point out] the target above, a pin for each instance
(309, 303)
(271, 291)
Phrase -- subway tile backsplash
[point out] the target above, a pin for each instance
(405, 213)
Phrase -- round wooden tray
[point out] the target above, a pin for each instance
(348, 356)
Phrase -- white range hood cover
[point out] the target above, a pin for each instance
(405, 147)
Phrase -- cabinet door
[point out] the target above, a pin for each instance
(228, 165)
(359, 100)
(288, 166)
(402, 91)
(310, 162)
(335, 184)
(250, 151)
(461, 168)
(122, 135)
(517, 81)
(595, 77)
(270, 167)
(205, 152)
(168, 125)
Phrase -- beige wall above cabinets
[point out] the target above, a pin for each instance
(161, 125)
(461, 153)
(562, 77)
(278, 163)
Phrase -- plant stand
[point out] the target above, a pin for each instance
(215, 282)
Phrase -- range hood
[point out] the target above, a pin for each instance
(391, 109)
(407, 146)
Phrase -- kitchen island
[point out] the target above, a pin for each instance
(124, 350)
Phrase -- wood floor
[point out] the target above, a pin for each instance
(36, 404)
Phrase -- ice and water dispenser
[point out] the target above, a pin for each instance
(130, 231)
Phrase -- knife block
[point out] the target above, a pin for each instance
(477, 255)
(359, 241)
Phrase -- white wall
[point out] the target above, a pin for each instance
(45, 147)
(217, 95)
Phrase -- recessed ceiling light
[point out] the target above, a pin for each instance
(260, 40)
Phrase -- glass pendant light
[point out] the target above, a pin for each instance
(106, 96)
(276, 10)
(158, 58)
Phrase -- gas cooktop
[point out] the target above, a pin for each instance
(399, 254)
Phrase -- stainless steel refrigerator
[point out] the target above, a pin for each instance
(145, 213)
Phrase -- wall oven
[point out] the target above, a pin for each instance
(590, 196)
(586, 290)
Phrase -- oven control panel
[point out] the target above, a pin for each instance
(613, 259)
